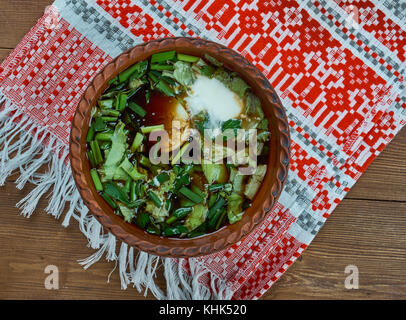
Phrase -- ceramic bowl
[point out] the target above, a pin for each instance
(266, 197)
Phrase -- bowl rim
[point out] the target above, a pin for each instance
(162, 246)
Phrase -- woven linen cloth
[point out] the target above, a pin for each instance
(337, 66)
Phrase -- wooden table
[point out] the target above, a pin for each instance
(368, 229)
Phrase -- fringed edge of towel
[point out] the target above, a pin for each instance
(25, 147)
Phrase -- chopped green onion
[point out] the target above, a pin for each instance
(104, 136)
(174, 231)
(221, 219)
(163, 56)
(133, 193)
(94, 145)
(150, 129)
(139, 69)
(137, 142)
(109, 119)
(142, 219)
(110, 201)
(162, 177)
(121, 101)
(187, 58)
(155, 199)
(106, 104)
(96, 180)
(221, 187)
(182, 150)
(91, 158)
(90, 134)
(165, 88)
(144, 161)
(220, 203)
(161, 67)
(99, 124)
(190, 195)
(110, 112)
(182, 212)
(137, 109)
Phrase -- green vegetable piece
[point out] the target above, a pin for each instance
(109, 119)
(118, 148)
(132, 171)
(109, 201)
(110, 112)
(162, 177)
(121, 101)
(113, 81)
(99, 124)
(102, 136)
(227, 187)
(231, 124)
(106, 104)
(223, 76)
(133, 191)
(137, 70)
(186, 203)
(94, 145)
(163, 56)
(127, 213)
(190, 195)
(234, 207)
(153, 230)
(238, 180)
(239, 86)
(215, 172)
(90, 134)
(197, 217)
(91, 158)
(143, 219)
(213, 221)
(150, 129)
(115, 192)
(137, 109)
(161, 67)
(183, 73)
(187, 58)
(221, 219)
(163, 86)
(155, 199)
(207, 71)
(253, 106)
(174, 231)
(212, 60)
(255, 181)
(96, 180)
(182, 212)
(137, 142)
(182, 150)
(217, 206)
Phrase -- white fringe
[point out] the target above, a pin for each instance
(25, 147)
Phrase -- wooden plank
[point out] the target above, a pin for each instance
(4, 53)
(17, 17)
(368, 234)
(385, 179)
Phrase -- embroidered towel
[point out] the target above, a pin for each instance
(339, 70)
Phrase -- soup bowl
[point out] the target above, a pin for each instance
(263, 202)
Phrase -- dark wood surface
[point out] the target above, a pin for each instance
(368, 229)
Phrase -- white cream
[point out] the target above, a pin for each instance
(212, 96)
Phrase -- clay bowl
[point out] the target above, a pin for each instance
(263, 202)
